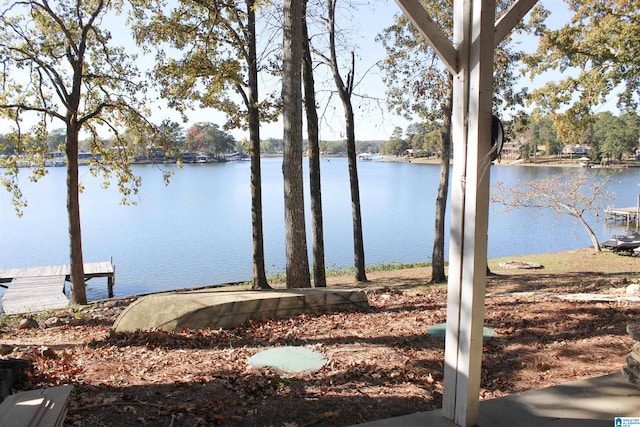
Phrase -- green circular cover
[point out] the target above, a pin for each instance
(289, 359)
(440, 330)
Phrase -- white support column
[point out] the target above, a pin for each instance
(473, 88)
(470, 59)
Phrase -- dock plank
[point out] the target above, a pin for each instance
(27, 294)
(94, 269)
(42, 288)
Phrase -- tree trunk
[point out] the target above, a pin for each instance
(345, 90)
(78, 288)
(297, 263)
(358, 242)
(437, 258)
(317, 233)
(592, 235)
(259, 273)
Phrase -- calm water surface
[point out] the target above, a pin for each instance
(197, 230)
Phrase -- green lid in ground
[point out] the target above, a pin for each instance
(440, 330)
(291, 360)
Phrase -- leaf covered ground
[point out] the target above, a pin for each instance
(381, 363)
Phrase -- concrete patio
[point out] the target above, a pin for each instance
(592, 402)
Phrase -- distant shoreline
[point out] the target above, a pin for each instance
(564, 163)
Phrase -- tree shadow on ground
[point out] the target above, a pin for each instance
(254, 400)
(574, 282)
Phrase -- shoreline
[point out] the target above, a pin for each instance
(572, 261)
(565, 163)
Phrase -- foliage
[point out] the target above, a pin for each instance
(272, 145)
(368, 146)
(422, 138)
(609, 137)
(597, 54)
(545, 135)
(59, 64)
(396, 145)
(536, 133)
(202, 57)
(417, 81)
(574, 193)
(616, 136)
(56, 139)
(209, 138)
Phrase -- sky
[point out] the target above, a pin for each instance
(373, 122)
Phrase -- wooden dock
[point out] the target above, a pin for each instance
(625, 215)
(43, 288)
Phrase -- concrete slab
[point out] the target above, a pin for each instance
(595, 402)
(214, 309)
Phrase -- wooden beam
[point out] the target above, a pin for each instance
(509, 20)
(432, 34)
(461, 34)
(474, 35)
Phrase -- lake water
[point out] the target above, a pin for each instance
(197, 230)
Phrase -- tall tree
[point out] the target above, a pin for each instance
(608, 136)
(60, 64)
(544, 136)
(313, 138)
(297, 263)
(437, 255)
(430, 97)
(615, 136)
(597, 53)
(345, 90)
(631, 124)
(396, 145)
(218, 44)
(412, 64)
(415, 134)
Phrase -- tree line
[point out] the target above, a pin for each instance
(608, 137)
(203, 137)
(61, 64)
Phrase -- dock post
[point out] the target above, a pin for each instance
(111, 280)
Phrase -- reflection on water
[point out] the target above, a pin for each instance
(197, 230)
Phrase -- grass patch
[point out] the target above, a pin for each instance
(579, 260)
(279, 277)
(397, 266)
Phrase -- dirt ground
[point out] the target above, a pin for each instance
(381, 363)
